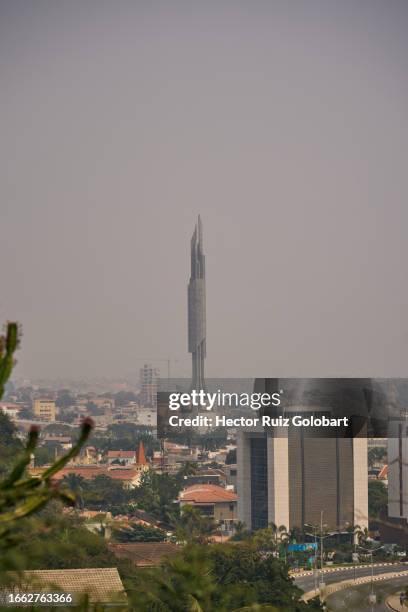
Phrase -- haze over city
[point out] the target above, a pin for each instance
(282, 123)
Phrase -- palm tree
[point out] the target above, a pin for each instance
(75, 483)
(240, 532)
(296, 534)
(271, 538)
(193, 526)
(360, 535)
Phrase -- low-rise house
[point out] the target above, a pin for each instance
(64, 441)
(206, 475)
(213, 501)
(10, 409)
(125, 457)
(130, 475)
(102, 585)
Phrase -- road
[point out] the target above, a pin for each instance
(307, 583)
(356, 598)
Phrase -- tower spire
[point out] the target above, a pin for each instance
(196, 308)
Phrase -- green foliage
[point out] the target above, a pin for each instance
(185, 582)
(75, 484)
(10, 445)
(60, 430)
(22, 495)
(193, 526)
(8, 345)
(240, 532)
(223, 577)
(127, 436)
(56, 540)
(122, 398)
(156, 494)
(102, 492)
(139, 533)
(377, 498)
(95, 410)
(377, 455)
(44, 455)
(271, 538)
(64, 399)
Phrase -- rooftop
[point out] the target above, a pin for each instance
(144, 554)
(101, 584)
(383, 475)
(91, 471)
(121, 454)
(207, 494)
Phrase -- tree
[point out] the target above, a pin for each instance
(222, 577)
(139, 533)
(64, 399)
(271, 538)
(122, 398)
(377, 455)
(95, 410)
(240, 532)
(296, 534)
(193, 526)
(10, 444)
(75, 483)
(26, 413)
(103, 493)
(156, 494)
(189, 468)
(377, 498)
(22, 495)
(127, 436)
(183, 582)
(44, 455)
(59, 429)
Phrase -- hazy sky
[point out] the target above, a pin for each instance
(283, 122)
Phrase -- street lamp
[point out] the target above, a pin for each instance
(322, 537)
(372, 599)
(314, 534)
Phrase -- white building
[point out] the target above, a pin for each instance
(146, 416)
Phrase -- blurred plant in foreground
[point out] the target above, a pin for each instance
(22, 495)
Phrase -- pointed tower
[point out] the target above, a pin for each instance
(196, 308)
(140, 454)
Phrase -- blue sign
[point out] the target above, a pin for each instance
(302, 547)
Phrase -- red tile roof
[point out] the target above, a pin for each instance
(91, 471)
(144, 554)
(383, 473)
(121, 454)
(207, 494)
(122, 473)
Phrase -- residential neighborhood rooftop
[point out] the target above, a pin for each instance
(207, 494)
